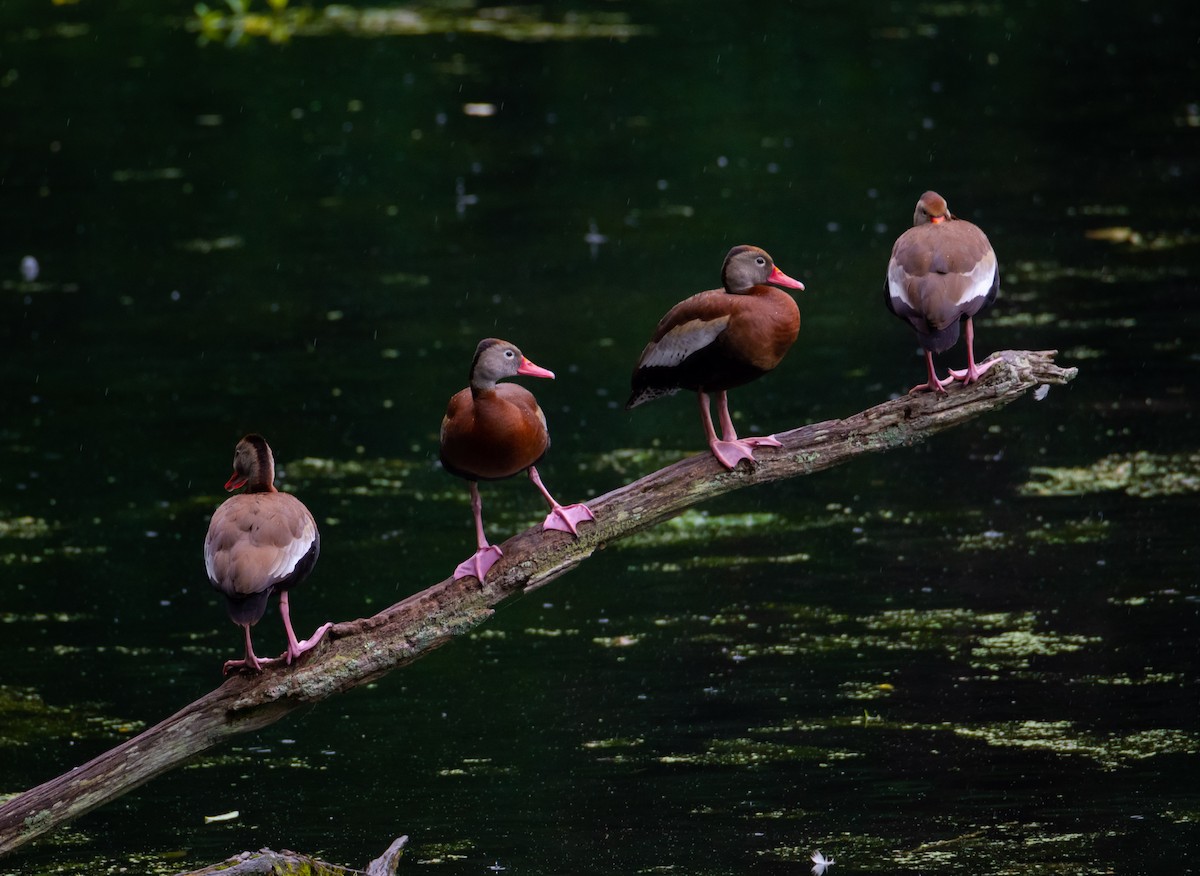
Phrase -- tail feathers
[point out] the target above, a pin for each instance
(646, 394)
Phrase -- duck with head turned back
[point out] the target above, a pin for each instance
(721, 339)
(494, 430)
(943, 271)
(260, 542)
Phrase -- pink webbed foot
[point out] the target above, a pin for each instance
(252, 664)
(730, 453)
(478, 564)
(937, 387)
(972, 372)
(566, 518)
(294, 651)
(934, 384)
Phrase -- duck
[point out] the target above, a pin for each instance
(494, 430)
(721, 339)
(260, 542)
(943, 271)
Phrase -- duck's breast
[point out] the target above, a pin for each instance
(763, 326)
(493, 435)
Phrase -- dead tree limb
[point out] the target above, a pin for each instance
(269, 863)
(360, 651)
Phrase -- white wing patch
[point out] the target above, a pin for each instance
(250, 548)
(896, 287)
(682, 341)
(292, 553)
(979, 281)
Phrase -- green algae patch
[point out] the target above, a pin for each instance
(474, 766)
(866, 690)
(446, 852)
(262, 757)
(23, 530)
(354, 477)
(635, 462)
(278, 22)
(24, 527)
(614, 742)
(710, 561)
(1134, 240)
(549, 632)
(1089, 530)
(1143, 475)
(937, 620)
(1111, 751)
(40, 617)
(744, 752)
(1014, 649)
(994, 640)
(985, 541)
(25, 718)
(700, 527)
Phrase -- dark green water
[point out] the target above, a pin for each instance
(941, 660)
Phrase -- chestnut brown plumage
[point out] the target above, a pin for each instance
(495, 430)
(260, 542)
(943, 271)
(717, 340)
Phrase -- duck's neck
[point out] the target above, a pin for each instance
(262, 474)
(481, 387)
(260, 486)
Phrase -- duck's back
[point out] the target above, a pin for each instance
(939, 273)
(258, 543)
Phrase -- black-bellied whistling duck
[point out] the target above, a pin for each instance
(495, 430)
(716, 340)
(260, 542)
(942, 271)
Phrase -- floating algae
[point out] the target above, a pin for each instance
(1142, 474)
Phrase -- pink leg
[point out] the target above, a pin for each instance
(254, 664)
(477, 565)
(564, 518)
(296, 648)
(938, 387)
(972, 372)
(730, 449)
(727, 430)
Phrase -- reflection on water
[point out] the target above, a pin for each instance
(974, 655)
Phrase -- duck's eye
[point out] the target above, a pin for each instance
(508, 354)
(760, 261)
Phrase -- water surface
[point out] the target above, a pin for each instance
(972, 656)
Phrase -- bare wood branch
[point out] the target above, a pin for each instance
(360, 651)
(268, 862)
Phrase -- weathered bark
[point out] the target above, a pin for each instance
(268, 863)
(360, 651)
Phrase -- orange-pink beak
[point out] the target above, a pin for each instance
(779, 278)
(530, 370)
(235, 482)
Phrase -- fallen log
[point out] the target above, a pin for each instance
(360, 651)
(269, 863)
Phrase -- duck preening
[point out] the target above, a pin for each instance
(260, 542)
(943, 271)
(720, 339)
(495, 430)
